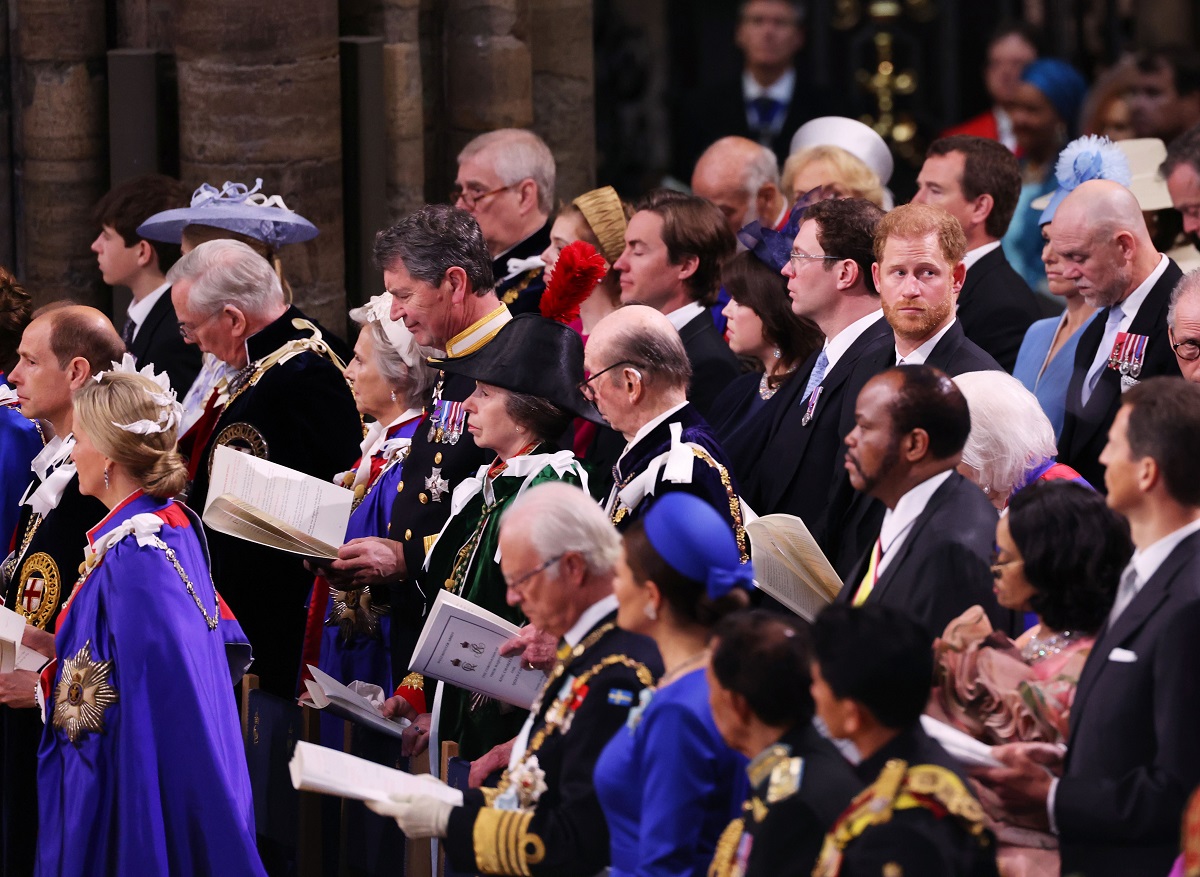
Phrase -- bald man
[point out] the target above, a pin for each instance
(60, 350)
(639, 379)
(1100, 234)
(741, 178)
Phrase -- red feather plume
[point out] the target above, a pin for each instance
(578, 269)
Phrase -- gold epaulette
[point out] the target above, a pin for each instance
(735, 502)
(725, 855)
(415, 681)
(504, 844)
(900, 787)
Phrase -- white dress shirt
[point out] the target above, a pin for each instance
(139, 310)
(836, 347)
(918, 356)
(680, 317)
(898, 521)
(973, 256)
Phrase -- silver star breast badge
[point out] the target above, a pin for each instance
(436, 484)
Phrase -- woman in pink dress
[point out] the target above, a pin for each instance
(1059, 554)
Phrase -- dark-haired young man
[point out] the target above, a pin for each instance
(675, 245)
(930, 558)
(1131, 756)
(151, 329)
(870, 682)
(758, 688)
(1165, 99)
(978, 182)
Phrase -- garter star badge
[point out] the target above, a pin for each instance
(83, 694)
(436, 484)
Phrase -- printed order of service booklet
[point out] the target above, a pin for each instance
(460, 645)
(316, 768)
(273, 505)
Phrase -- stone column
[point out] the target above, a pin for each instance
(404, 100)
(259, 97)
(59, 144)
(564, 86)
(488, 69)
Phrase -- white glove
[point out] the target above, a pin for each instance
(419, 816)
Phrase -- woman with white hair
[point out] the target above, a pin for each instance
(1011, 443)
(347, 634)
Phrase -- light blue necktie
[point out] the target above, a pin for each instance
(1111, 325)
(818, 374)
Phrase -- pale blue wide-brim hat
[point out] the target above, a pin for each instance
(235, 208)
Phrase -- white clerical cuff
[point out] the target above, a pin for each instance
(1050, 806)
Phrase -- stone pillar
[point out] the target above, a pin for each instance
(488, 68)
(259, 97)
(59, 144)
(405, 105)
(439, 162)
(564, 90)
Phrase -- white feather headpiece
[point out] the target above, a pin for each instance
(170, 413)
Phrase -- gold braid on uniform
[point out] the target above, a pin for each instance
(725, 853)
(292, 349)
(900, 787)
(504, 844)
(735, 503)
(510, 295)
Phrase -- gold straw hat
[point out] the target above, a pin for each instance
(606, 216)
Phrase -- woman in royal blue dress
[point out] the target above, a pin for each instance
(347, 635)
(668, 783)
(141, 768)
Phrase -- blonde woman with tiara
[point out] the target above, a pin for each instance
(141, 765)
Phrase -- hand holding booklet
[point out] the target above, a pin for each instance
(963, 747)
(328, 693)
(790, 566)
(460, 645)
(273, 505)
(13, 655)
(320, 769)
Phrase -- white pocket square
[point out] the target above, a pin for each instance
(1122, 656)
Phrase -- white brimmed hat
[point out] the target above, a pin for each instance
(858, 139)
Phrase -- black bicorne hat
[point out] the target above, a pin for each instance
(534, 356)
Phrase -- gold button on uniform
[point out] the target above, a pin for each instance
(407, 535)
(437, 458)
(424, 498)
(400, 487)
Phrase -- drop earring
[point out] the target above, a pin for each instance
(106, 484)
(393, 395)
(777, 353)
(650, 611)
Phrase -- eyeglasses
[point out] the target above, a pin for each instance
(1187, 350)
(998, 565)
(585, 387)
(795, 256)
(517, 583)
(470, 199)
(189, 332)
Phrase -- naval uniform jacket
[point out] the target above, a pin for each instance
(799, 787)
(441, 455)
(1085, 427)
(1132, 757)
(298, 413)
(565, 833)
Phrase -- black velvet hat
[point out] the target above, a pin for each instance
(534, 356)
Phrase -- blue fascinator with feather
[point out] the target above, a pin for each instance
(1085, 158)
(697, 543)
(772, 247)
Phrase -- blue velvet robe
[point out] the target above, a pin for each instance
(20, 442)
(155, 782)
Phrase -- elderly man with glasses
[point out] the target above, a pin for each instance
(560, 558)
(1183, 325)
(285, 401)
(639, 379)
(506, 180)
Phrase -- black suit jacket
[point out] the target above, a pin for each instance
(801, 469)
(158, 341)
(716, 112)
(1132, 757)
(996, 307)
(714, 365)
(848, 538)
(943, 566)
(1085, 427)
